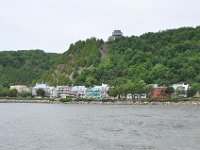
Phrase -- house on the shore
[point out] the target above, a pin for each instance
(181, 90)
(48, 89)
(159, 92)
(136, 96)
(21, 88)
(77, 92)
(98, 92)
(59, 92)
(63, 91)
(104, 90)
(94, 93)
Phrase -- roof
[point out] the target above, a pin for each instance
(117, 33)
(40, 86)
(78, 88)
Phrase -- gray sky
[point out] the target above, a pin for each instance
(51, 25)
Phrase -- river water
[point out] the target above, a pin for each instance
(100, 127)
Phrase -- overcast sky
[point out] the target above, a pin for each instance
(51, 25)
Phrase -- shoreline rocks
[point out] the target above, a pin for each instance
(196, 103)
(24, 101)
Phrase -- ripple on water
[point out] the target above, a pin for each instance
(89, 127)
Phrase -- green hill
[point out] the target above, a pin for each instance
(79, 57)
(164, 57)
(24, 66)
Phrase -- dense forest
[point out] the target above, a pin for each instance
(165, 57)
(24, 66)
(80, 56)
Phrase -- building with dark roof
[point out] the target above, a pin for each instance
(115, 34)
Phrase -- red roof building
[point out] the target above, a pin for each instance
(159, 92)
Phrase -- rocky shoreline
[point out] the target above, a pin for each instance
(24, 101)
(103, 103)
(136, 103)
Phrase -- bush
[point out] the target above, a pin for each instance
(40, 92)
(24, 94)
(65, 100)
(108, 100)
(165, 100)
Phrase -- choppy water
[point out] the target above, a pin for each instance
(100, 127)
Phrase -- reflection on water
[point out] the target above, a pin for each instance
(89, 127)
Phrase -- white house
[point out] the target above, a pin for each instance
(136, 96)
(98, 92)
(48, 90)
(78, 91)
(104, 90)
(52, 92)
(181, 87)
(63, 91)
(21, 88)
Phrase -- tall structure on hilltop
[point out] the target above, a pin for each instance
(115, 34)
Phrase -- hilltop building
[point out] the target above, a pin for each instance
(115, 34)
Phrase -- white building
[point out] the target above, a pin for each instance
(21, 88)
(104, 90)
(78, 91)
(48, 89)
(63, 91)
(52, 92)
(136, 96)
(182, 87)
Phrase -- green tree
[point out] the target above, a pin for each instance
(4, 92)
(40, 92)
(24, 94)
(180, 91)
(12, 93)
(90, 81)
(148, 90)
(135, 87)
(112, 92)
(169, 91)
(191, 92)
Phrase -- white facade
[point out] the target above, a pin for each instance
(136, 96)
(21, 88)
(52, 92)
(182, 87)
(48, 90)
(79, 91)
(104, 90)
(63, 91)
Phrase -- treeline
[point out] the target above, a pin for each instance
(80, 56)
(6, 92)
(24, 66)
(166, 57)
